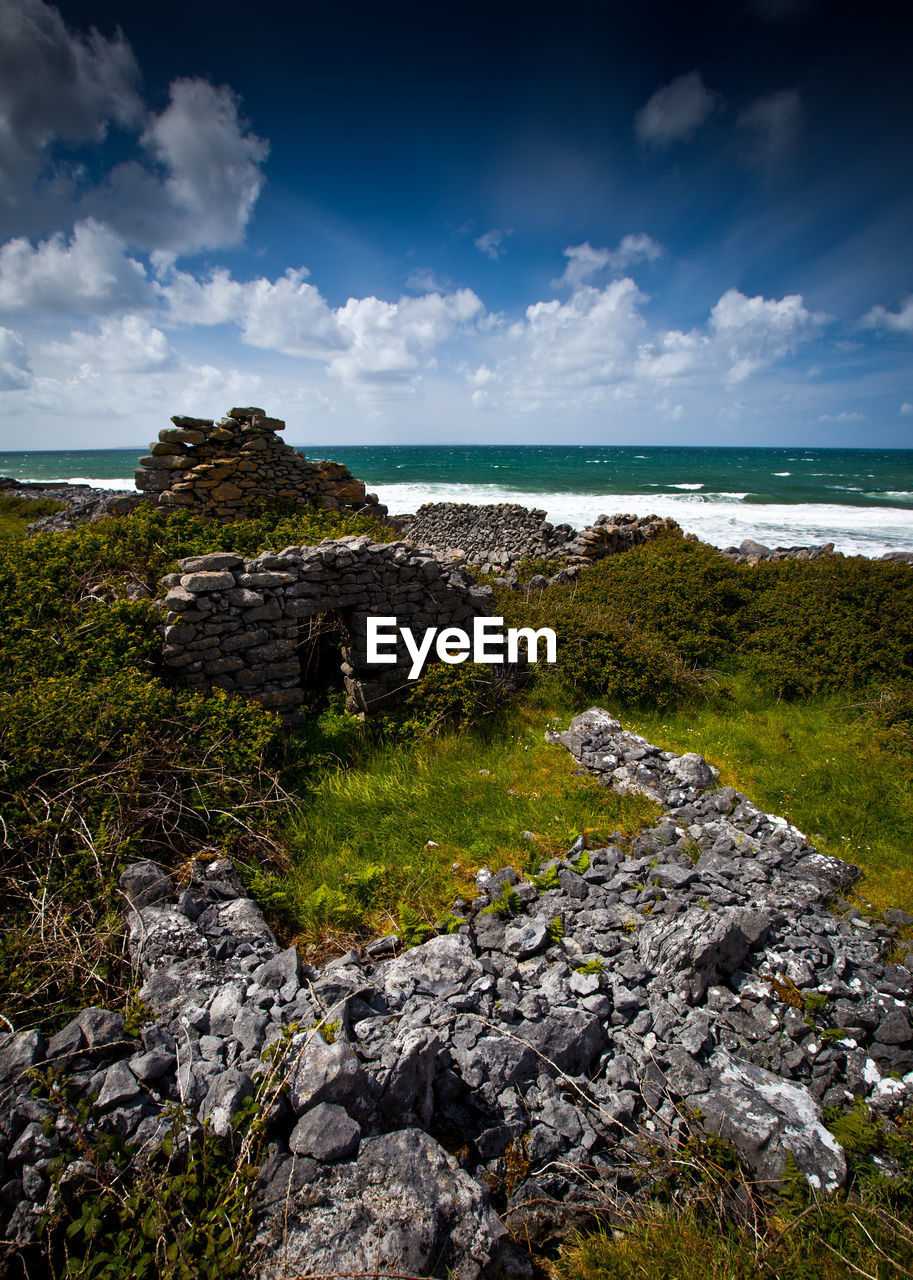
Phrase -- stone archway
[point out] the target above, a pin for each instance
(234, 624)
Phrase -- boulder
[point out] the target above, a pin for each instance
(403, 1206)
(768, 1118)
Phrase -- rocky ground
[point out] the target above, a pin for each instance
(82, 503)
(429, 1108)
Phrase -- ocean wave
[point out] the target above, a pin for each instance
(686, 486)
(723, 520)
(122, 482)
(781, 473)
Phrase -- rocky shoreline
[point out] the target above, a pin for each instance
(490, 539)
(429, 1109)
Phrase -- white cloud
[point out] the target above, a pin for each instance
(491, 243)
(206, 178)
(597, 346)
(567, 353)
(15, 371)
(906, 409)
(367, 340)
(671, 355)
(91, 273)
(676, 112)
(56, 83)
(289, 315)
(422, 280)
(583, 261)
(389, 341)
(843, 416)
(754, 332)
(900, 321)
(634, 249)
(773, 123)
(128, 344)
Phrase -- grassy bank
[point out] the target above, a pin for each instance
(398, 835)
(830, 765)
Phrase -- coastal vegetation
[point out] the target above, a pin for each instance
(795, 679)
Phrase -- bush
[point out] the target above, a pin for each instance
(93, 775)
(684, 594)
(601, 655)
(640, 628)
(828, 625)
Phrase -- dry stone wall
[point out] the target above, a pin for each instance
(243, 625)
(230, 468)
(497, 537)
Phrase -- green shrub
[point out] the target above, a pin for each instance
(828, 625)
(94, 774)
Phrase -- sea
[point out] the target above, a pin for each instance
(859, 499)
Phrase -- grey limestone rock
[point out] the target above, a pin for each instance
(18, 1054)
(403, 1205)
(223, 1098)
(281, 970)
(326, 1132)
(144, 884)
(527, 939)
(325, 1073)
(767, 1117)
(120, 1086)
(442, 967)
(701, 946)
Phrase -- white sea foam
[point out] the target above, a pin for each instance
(781, 473)
(686, 486)
(720, 519)
(122, 482)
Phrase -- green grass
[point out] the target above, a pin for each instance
(706, 1219)
(16, 514)
(360, 843)
(831, 1240)
(834, 771)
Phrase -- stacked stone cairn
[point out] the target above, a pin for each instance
(227, 469)
(564, 1032)
(239, 625)
(498, 537)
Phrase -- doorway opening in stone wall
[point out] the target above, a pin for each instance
(321, 639)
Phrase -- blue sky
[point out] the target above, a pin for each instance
(491, 223)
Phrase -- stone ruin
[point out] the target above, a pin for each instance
(229, 469)
(495, 538)
(273, 627)
(696, 980)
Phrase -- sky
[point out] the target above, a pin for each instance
(483, 223)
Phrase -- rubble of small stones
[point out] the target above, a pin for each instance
(229, 469)
(85, 508)
(496, 538)
(694, 970)
(243, 625)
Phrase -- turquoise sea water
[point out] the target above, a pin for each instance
(860, 499)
